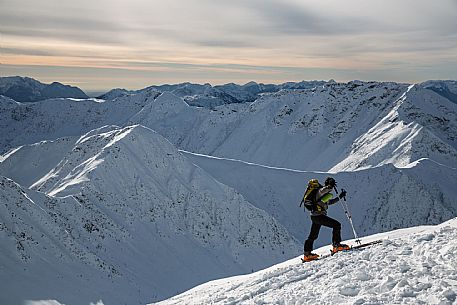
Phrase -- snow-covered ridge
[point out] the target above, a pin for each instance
(121, 200)
(212, 96)
(411, 266)
(51, 119)
(337, 127)
(420, 124)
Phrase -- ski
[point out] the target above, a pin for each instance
(355, 247)
(371, 243)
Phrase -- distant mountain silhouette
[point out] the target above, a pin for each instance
(26, 89)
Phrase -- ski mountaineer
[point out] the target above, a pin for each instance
(319, 198)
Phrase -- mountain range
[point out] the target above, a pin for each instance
(136, 196)
(209, 96)
(26, 89)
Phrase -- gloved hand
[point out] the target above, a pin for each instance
(342, 194)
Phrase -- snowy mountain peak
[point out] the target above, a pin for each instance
(115, 93)
(169, 101)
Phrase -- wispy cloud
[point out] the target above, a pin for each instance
(291, 18)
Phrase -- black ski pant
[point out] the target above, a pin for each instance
(322, 220)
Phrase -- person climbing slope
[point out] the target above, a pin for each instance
(317, 198)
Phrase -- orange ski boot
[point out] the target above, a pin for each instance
(309, 256)
(339, 247)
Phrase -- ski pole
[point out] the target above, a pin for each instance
(348, 215)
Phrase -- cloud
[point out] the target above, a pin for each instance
(227, 43)
(218, 23)
(25, 51)
(281, 17)
(68, 28)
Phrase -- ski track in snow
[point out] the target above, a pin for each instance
(247, 163)
(411, 266)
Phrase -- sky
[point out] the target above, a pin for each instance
(104, 44)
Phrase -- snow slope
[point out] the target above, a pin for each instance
(27, 123)
(381, 199)
(28, 163)
(421, 124)
(118, 204)
(447, 89)
(334, 127)
(411, 266)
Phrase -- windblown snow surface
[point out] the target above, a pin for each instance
(417, 265)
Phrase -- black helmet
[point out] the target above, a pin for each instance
(330, 181)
